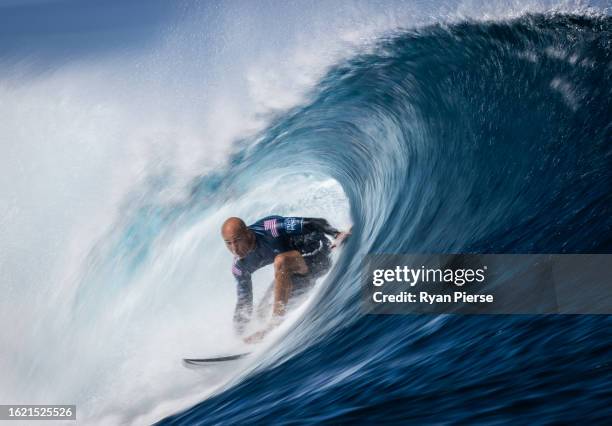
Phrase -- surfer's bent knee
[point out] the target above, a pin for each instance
(290, 262)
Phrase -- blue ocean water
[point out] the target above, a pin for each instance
(473, 137)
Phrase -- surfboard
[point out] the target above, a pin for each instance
(213, 360)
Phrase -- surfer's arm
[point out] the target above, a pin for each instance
(312, 224)
(307, 225)
(301, 225)
(321, 225)
(244, 304)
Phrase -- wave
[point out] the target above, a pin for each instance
(472, 137)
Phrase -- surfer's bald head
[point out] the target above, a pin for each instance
(233, 225)
(237, 236)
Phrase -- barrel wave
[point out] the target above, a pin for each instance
(473, 137)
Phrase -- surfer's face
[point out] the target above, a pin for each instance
(239, 243)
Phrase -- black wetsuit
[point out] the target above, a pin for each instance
(275, 235)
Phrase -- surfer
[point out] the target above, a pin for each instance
(297, 246)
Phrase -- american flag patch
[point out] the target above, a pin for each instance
(270, 225)
(236, 271)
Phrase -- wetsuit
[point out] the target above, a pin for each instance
(275, 235)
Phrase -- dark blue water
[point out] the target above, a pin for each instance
(476, 137)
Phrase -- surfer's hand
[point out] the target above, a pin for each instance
(256, 337)
(342, 236)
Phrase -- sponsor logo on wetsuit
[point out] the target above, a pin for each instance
(292, 224)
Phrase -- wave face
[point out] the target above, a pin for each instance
(474, 137)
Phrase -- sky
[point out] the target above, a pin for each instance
(47, 31)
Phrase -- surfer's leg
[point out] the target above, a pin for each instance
(318, 265)
(285, 265)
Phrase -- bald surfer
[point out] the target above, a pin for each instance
(297, 246)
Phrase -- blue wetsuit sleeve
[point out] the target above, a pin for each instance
(311, 224)
(244, 300)
(306, 225)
